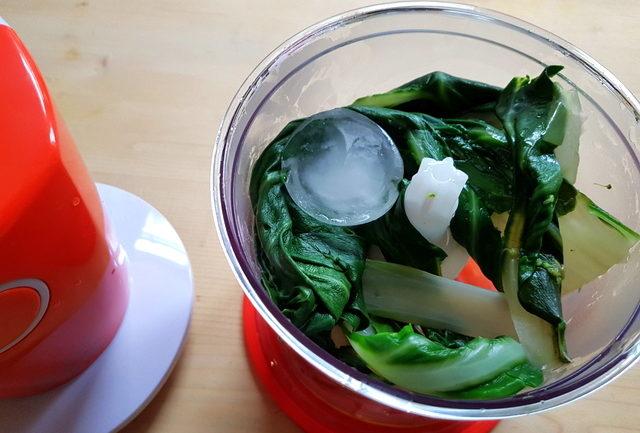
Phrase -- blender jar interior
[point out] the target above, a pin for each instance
(376, 49)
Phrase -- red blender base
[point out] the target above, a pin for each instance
(319, 405)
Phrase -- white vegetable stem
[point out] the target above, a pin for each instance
(592, 243)
(414, 296)
(536, 335)
(430, 201)
(568, 111)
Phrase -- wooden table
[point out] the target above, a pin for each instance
(143, 85)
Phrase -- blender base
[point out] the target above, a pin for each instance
(275, 366)
(128, 374)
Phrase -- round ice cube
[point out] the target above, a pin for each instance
(343, 169)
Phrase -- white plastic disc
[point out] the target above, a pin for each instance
(124, 379)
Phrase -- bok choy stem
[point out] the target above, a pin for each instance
(413, 296)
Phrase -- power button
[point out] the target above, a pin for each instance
(22, 306)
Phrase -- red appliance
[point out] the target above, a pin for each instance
(63, 279)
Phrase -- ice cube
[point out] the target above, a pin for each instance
(343, 169)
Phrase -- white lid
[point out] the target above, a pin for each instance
(4, 23)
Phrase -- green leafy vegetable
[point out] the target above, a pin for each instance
(412, 361)
(315, 267)
(399, 241)
(483, 153)
(476, 147)
(446, 337)
(521, 162)
(438, 94)
(507, 383)
(526, 109)
(473, 228)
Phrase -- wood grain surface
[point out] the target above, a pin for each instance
(143, 85)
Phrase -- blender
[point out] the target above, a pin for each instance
(96, 289)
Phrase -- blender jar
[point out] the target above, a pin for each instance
(372, 50)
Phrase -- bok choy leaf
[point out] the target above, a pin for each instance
(522, 165)
(437, 94)
(532, 275)
(482, 368)
(312, 270)
(399, 241)
(582, 229)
